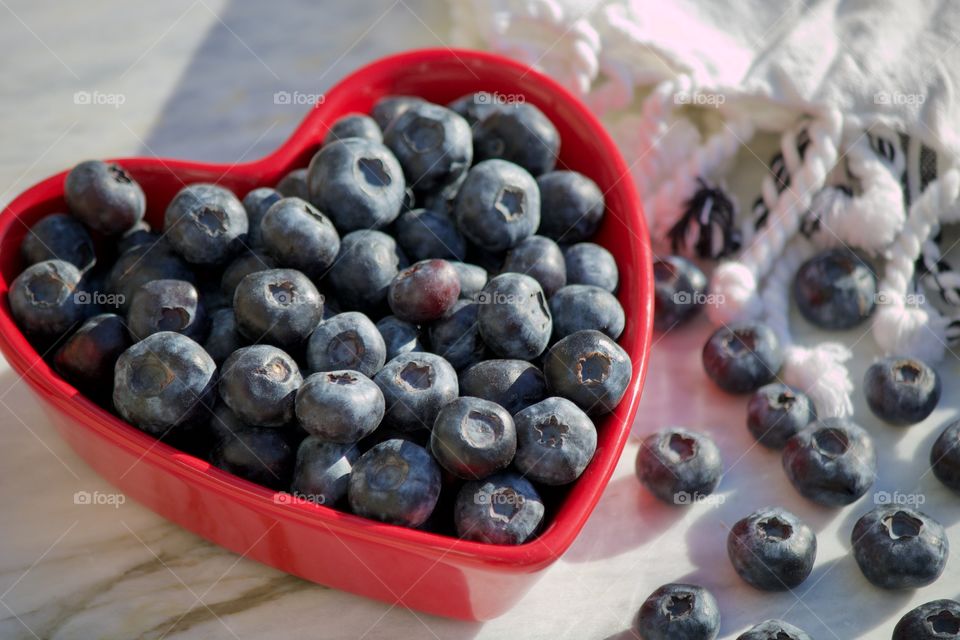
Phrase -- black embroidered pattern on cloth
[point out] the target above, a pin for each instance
(711, 214)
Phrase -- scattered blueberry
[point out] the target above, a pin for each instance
(299, 237)
(774, 630)
(424, 291)
(339, 406)
(432, 143)
(520, 134)
(88, 357)
(348, 340)
(167, 305)
(259, 383)
(416, 386)
(397, 482)
(590, 369)
(772, 549)
(473, 438)
(589, 263)
(294, 185)
(367, 264)
(256, 454)
(945, 456)
(901, 391)
(162, 382)
(59, 236)
(322, 470)
(504, 508)
(104, 197)
(425, 234)
(836, 289)
(578, 307)
(679, 611)
(358, 183)
(777, 412)
(456, 335)
(899, 548)
(46, 299)
(513, 384)
(224, 338)
(741, 358)
(514, 318)
(541, 259)
(473, 278)
(937, 620)
(679, 466)
(206, 224)
(498, 205)
(399, 336)
(279, 306)
(555, 441)
(832, 462)
(256, 204)
(354, 125)
(679, 290)
(572, 206)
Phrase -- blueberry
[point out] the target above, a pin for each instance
(498, 205)
(167, 305)
(358, 183)
(555, 441)
(473, 278)
(513, 384)
(298, 236)
(572, 206)
(399, 336)
(772, 549)
(416, 386)
(279, 306)
(456, 336)
(589, 263)
(945, 456)
(774, 630)
(354, 125)
(679, 611)
(339, 406)
(396, 482)
(88, 357)
(389, 107)
(520, 133)
(347, 341)
(578, 307)
(224, 337)
(474, 107)
(242, 266)
(901, 391)
(743, 357)
(835, 289)
(163, 381)
(433, 145)
(679, 292)
(777, 412)
(541, 259)
(140, 265)
(256, 454)
(504, 508)
(489, 261)
(367, 264)
(256, 204)
(679, 466)
(294, 185)
(425, 234)
(206, 224)
(424, 291)
(59, 236)
(104, 197)
(137, 235)
(473, 438)
(937, 620)
(899, 548)
(590, 369)
(259, 383)
(224, 422)
(832, 462)
(322, 470)
(514, 318)
(46, 299)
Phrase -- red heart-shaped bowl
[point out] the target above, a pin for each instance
(408, 567)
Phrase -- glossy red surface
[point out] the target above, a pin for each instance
(416, 569)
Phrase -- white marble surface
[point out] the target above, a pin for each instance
(197, 81)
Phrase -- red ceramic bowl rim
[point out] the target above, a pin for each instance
(530, 556)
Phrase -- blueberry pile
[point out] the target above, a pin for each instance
(383, 332)
(829, 461)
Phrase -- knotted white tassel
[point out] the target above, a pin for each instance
(818, 371)
(734, 284)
